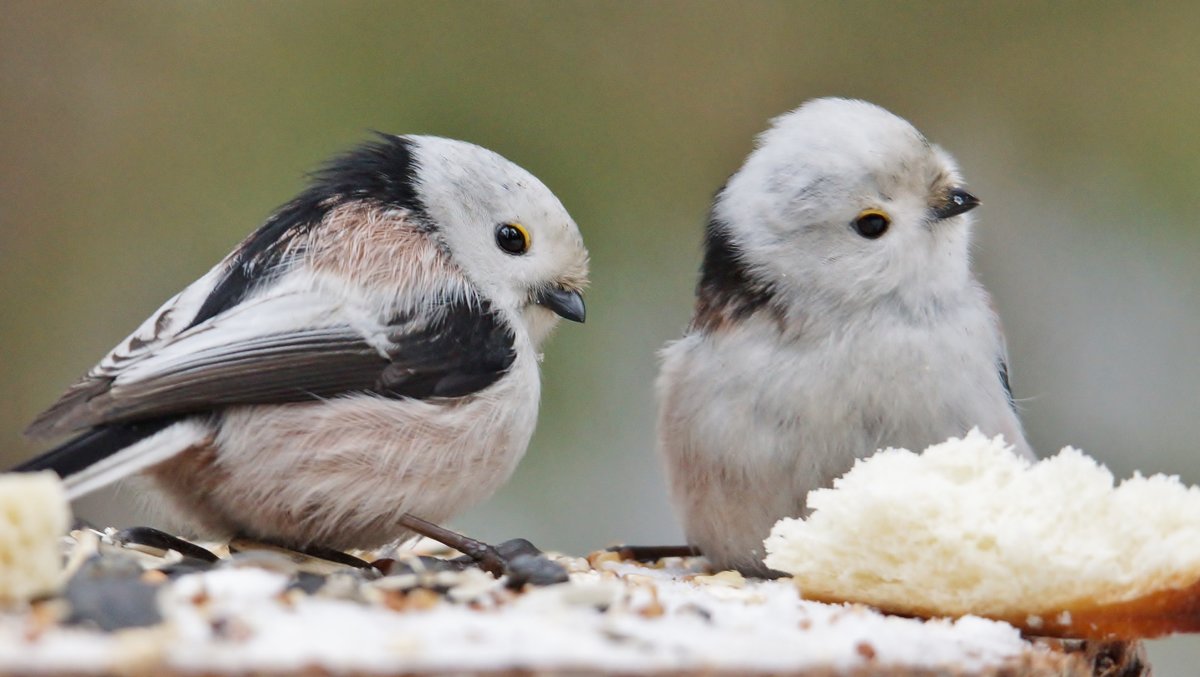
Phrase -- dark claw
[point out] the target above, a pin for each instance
(163, 541)
(335, 556)
(653, 553)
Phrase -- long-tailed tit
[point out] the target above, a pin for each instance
(836, 314)
(370, 352)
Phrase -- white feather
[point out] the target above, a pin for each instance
(294, 304)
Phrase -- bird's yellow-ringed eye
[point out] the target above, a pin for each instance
(512, 238)
(872, 223)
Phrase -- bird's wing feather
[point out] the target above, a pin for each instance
(1002, 357)
(294, 347)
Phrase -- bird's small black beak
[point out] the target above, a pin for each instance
(566, 303)
(957, 201)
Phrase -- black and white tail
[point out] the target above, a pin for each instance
(111, 452)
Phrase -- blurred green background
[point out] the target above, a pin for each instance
(140, 141)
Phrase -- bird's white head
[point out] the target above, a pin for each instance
(509, 234)
(843, 204)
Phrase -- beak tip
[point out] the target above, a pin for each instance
(567, 304)
(958, 201)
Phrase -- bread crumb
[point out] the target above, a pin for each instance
(729, 579)
(865, 650)
(34, 514)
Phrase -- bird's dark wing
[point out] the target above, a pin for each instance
(288, 350)
(1002, 367)
(379, 174)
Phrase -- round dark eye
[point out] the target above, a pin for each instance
(871, 224)
(512, 238)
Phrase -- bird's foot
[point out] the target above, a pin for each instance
(518, 559)
(335, 556)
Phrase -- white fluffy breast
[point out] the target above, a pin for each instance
(877, 381)
(750, 423)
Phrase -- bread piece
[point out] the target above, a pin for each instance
(967, 527)
(33, 516)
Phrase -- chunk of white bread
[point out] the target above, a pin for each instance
(968, 527)
(34, 515)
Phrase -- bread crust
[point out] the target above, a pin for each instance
(1160, 613)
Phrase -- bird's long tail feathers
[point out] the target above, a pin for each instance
(115, 451)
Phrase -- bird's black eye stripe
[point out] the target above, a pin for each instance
(871, 223)
(512, 238)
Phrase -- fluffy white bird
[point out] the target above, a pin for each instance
(836, 314)
(370, 352)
